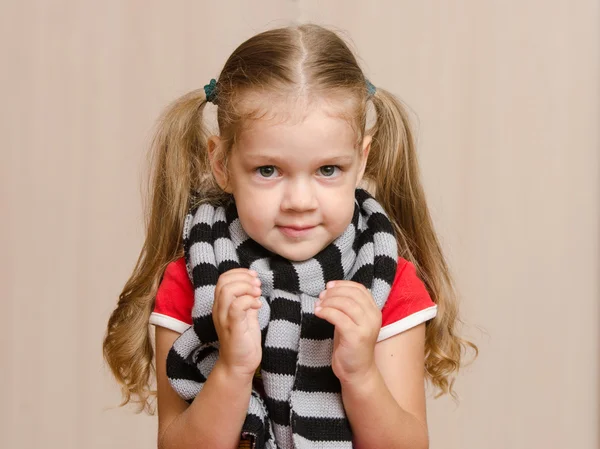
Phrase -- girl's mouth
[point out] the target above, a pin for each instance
(295, 231)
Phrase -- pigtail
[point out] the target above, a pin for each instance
(179, 164)
(394, 172)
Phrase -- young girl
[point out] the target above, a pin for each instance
(292, 308)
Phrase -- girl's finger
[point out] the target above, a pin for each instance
(237, 275)
(349, 289)
(343, 283)
(229, 293)
(347, 306)
(355, 294)
(237, 271)
(240, 306)
(339, 319)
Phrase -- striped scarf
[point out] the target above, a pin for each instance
(302, 405)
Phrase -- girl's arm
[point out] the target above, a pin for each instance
(215, 417)
(386, 408)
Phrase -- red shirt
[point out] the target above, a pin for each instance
(408, 303)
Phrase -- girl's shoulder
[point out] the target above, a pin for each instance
(407, 284)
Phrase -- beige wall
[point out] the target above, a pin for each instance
(508, 99)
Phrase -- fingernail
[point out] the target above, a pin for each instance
(317, 308)
(330, 284)
(253, 273)
(256, 281)
(322, 294)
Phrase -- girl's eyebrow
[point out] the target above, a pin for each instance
(339, 160)
(267, 159)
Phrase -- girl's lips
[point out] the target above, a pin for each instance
(295, 232)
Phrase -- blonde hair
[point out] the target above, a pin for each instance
(307, 61)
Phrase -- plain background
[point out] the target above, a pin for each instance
(507, 106)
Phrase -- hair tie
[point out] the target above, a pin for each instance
(211, 91)
(371, 89)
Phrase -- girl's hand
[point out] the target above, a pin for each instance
(235, 314)
(350, 307)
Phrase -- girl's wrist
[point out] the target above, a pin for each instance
(233, 376)
(362, 382)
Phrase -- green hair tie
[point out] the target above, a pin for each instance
(371, 89)
(211, 91)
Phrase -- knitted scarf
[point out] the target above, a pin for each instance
(302, 405)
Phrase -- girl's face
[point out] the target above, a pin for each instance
(294, 182)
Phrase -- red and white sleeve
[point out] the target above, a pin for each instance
(174, 299)
(408, 304)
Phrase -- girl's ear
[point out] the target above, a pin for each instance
(366, 147)
(216, 154)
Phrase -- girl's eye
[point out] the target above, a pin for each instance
(266, 171)
(328, 170)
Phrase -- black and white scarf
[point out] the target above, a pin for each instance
(303, 405)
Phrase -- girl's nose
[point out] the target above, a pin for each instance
(299, 197)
